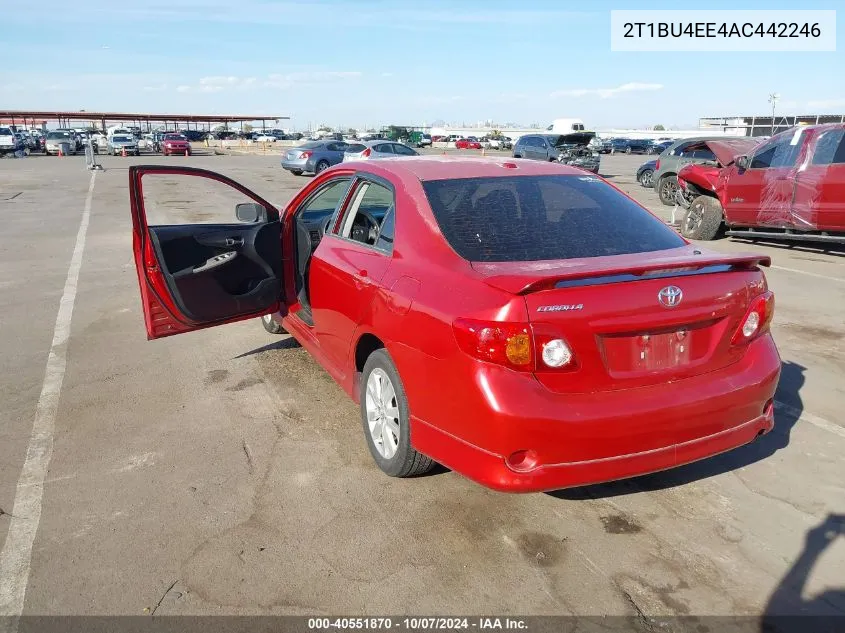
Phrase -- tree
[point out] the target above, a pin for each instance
(247, 128)
(325, 128)
(659, 128)
(352, 132)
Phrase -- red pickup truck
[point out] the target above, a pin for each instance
(790, 187)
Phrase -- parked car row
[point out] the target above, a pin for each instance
(634, 145)
(787, 187)
(494, 141)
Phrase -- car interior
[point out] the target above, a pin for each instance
(367, 219)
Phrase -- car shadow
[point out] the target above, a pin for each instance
(788, 393)
(787, 610)
(284, 343)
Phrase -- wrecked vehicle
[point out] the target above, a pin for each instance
(576, 149)
(690, 150)
(790, 187)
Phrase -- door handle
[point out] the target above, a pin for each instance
(234, 241)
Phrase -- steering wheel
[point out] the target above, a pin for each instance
(373, 229)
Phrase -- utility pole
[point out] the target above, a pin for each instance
(773, 98)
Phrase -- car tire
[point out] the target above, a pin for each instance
(296, 172)
(627, 150)
(389, 438)
(666, 189)
(323, 165)
(646, 178)
(703, 219)
(271, 325)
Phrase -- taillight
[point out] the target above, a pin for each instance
(306, 154)
(520, 346)
(506, 344)
(366, 152)
(757, 320)
(657, 164)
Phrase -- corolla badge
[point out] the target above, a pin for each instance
(670, 296)
(561, 308)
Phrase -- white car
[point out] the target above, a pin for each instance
(369, 150)
(8, 140)
(265, 138)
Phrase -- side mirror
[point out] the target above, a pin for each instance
(742, 162)
(250, 212)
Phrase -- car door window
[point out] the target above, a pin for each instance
(336, 147)
(830, 148)
(403, 151)
(385, 234)
(384, 148)
(680, 149)
(779, 153)
(368, 212)
(323, 203)
(704, 154)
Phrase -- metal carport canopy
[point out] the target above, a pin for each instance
(83, 115)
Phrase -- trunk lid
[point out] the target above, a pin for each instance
(624, 320)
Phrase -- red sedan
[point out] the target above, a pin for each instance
(466, 143)
(524, 323)
(175, 144)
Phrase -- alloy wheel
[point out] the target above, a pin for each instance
(382, 413)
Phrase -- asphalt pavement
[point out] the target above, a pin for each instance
(223, 471)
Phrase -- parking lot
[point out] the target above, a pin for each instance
(224, 472)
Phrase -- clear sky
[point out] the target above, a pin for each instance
(368, 62)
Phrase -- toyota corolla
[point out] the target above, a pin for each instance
(523, 323)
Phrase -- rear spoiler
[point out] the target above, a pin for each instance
(585, 273)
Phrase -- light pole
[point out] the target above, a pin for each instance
(773, 98)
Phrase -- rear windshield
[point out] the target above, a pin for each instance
(355, 148)
(312, 145)
(530, 218)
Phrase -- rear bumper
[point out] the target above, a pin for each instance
(295, 165)
(582, 439)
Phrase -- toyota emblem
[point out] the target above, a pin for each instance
(670, 296)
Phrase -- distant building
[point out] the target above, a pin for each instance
(763, 125)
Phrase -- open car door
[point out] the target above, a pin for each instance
(198, 275)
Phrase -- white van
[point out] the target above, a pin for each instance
(564, 126)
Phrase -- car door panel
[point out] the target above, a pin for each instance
(345, 282)
(762, 194)
(193, 276)
(819, 201)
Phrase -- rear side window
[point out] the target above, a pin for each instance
(530, 218)
(830, 148)
(403, 151)
(384, 148)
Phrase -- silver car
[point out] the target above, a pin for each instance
(120, 143)
(380, 148)
(59, 142)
